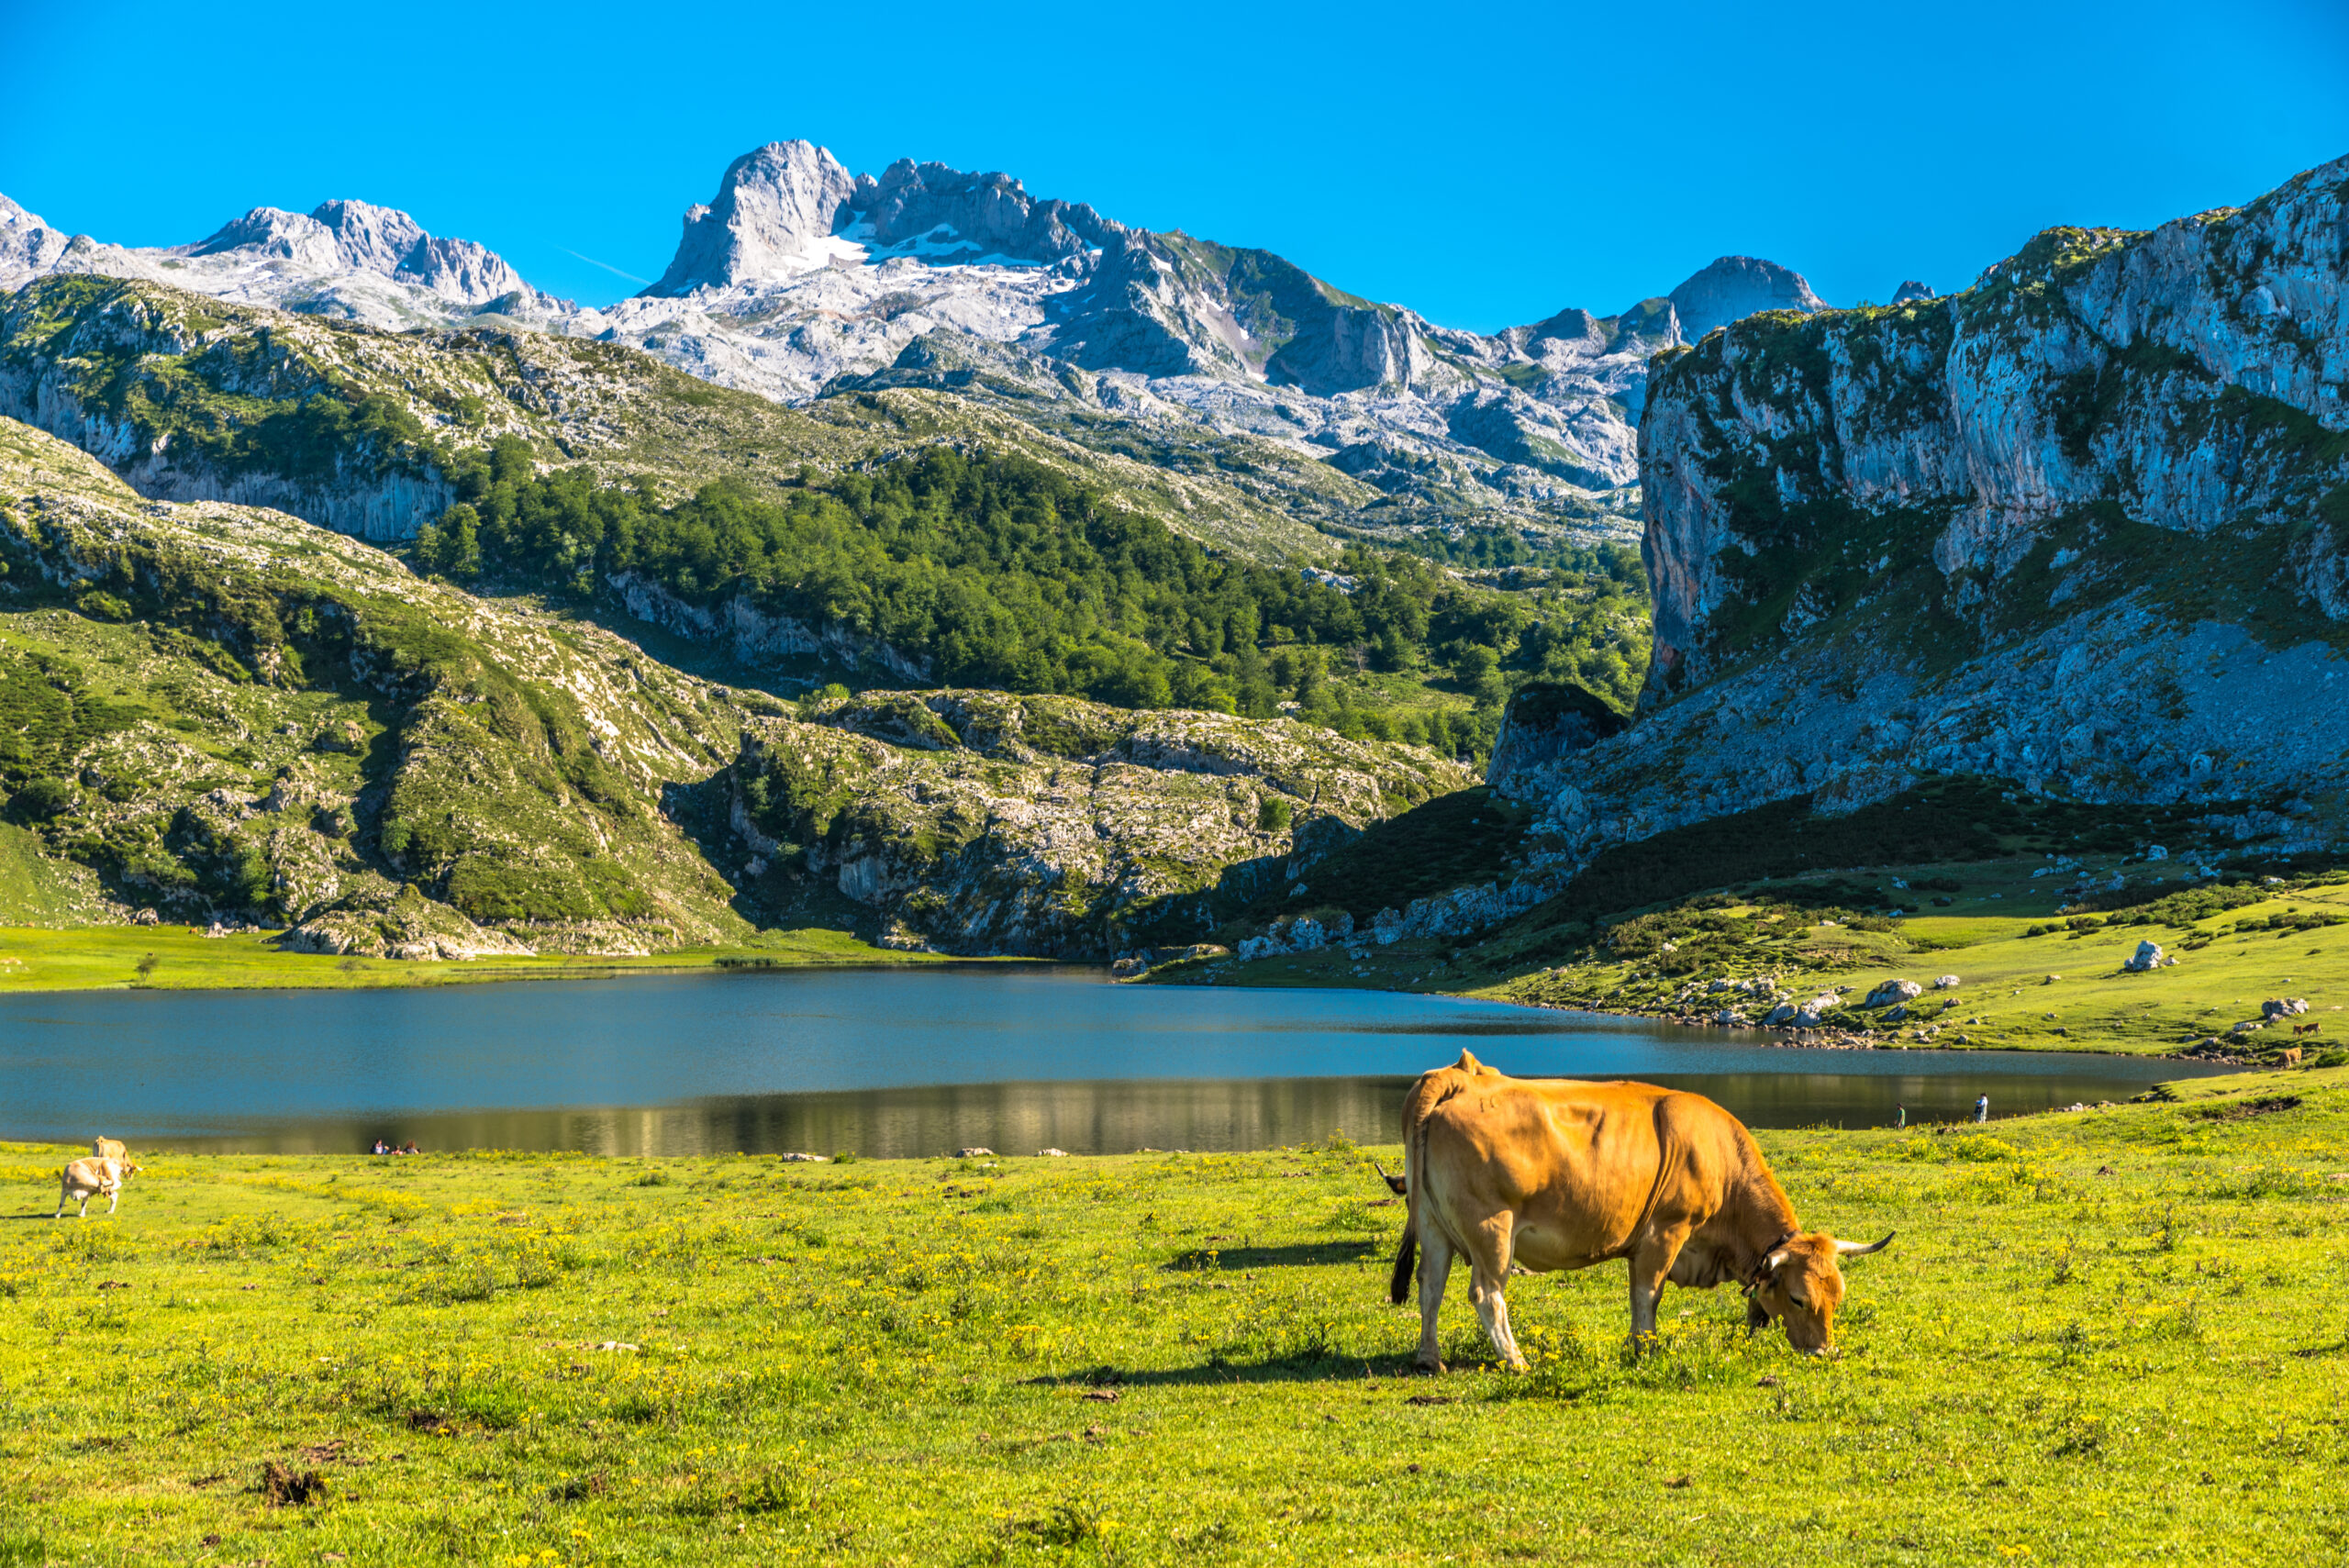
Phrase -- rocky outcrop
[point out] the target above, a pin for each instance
(980, 822)
(1736, 286)
(2074, 527)
(762, 638)
(1545, 722)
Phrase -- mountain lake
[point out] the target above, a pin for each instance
(895, 1064)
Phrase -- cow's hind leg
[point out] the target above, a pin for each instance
(1435, 1270)
(1488, 1259)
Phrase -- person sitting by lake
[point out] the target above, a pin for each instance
(381, 1147)
(410, 1148)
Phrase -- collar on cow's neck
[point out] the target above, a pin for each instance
(1762, 1264)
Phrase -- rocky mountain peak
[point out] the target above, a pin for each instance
(1735, 287)
(27, 244)
(944, 213)
(775, 213)
(1910, 290)
(341, 236)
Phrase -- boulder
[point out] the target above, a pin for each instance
(1052, 1153)
(1945, 983)
(975, 1153)
(1728, 1017)
(1784, 1013)
(2284, 1007)
(2147, 956)
(1893, 991)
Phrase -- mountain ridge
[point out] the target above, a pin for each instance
(799, 280)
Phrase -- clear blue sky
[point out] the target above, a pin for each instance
(1484, 163)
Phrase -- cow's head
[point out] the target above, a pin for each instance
(1802, 1281)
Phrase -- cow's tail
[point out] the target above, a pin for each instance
(1430, 1091)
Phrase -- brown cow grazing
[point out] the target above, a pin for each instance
(92, 1177)
(108, 1149)
(1546, 1174)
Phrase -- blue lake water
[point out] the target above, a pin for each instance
(891, 1063)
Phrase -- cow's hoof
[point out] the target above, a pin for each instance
(1430, 1365)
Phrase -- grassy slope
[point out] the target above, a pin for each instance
(2096, 1005)
(2099, 1338)
(94, 958)
(1559, 954)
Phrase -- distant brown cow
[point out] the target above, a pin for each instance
(1562, 1174)
(2289, 1056)
(108, 1149)
(86, 1179)
(2308, 1028)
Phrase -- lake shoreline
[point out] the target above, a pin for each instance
(36, 959)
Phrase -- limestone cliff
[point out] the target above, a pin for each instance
(2081, 526)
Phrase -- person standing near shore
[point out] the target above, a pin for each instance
(1982, 1107)
(1900, 1116)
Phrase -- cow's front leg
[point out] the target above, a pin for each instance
(1435, 1268)
(1651, 1263)
(113, 1198)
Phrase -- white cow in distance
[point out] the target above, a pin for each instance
(86, 1179)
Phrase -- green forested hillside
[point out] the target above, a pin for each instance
(993, 570)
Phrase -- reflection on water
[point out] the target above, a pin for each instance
(890, 1065)
(1118, 1116)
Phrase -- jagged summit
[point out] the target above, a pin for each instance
(790, 208)
(1736, 286)
(359, 236)
(1909, 291)
(775, 215)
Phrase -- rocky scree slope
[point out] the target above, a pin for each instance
(2081, 526)
(229, 713)
(797, 279)
(979, 822)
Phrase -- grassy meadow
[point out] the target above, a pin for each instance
(2104, 1337)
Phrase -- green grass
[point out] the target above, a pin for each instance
(88, 957)
(2102, 1336)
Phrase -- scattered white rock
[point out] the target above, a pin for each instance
(2147, 956)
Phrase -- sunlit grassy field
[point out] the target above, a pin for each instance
(178, 958)
(2100, 1337)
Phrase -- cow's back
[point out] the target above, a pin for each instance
(1583, 1168)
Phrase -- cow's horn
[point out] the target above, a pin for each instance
(1401, 1188)
(1770, 1264)
(1861, 1248)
